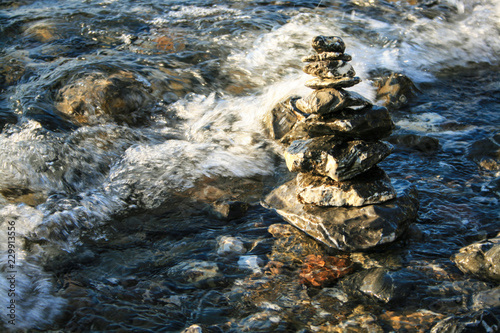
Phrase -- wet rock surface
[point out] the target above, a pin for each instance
(327, 101)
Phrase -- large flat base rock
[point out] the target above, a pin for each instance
(347, 229)
(371, 187)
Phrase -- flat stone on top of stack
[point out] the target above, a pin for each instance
(335, 147)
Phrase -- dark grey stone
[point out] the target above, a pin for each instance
(335, 158)
(371, 187)
(344, 82)
(473, 322)
(422, 143)
(346, 228)
(326, 101)
(327, 56)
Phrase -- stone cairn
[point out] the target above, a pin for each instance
(340, 196)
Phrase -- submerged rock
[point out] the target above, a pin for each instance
(422, 143)
(486, 299)
(379, 283)
(347, 229)
(230, 246)
(418, 321)
(230, 210)
(480, 321)
(335, 158)
(480, 259)
(369, 123)
(195, 272)
(99, 97)
(486, 152)
(319, 270)
(371, 187)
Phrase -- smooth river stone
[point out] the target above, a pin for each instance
(334, 69)
(335, 158)
(371, 187)
(345, 82)
(346, 228)
(369, 123)
(326, 101)
(322, 44)
(327, 56)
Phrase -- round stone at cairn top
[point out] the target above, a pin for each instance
(322, 44)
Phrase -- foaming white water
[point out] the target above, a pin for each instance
(26, 291)
(414, 44)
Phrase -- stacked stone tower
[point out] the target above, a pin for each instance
(340, 196)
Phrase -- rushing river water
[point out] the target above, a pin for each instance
(111, 212)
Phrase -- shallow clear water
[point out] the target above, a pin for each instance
(105, 210)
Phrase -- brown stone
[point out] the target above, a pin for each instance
(480, 259)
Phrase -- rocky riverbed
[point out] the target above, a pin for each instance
(138, 141)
